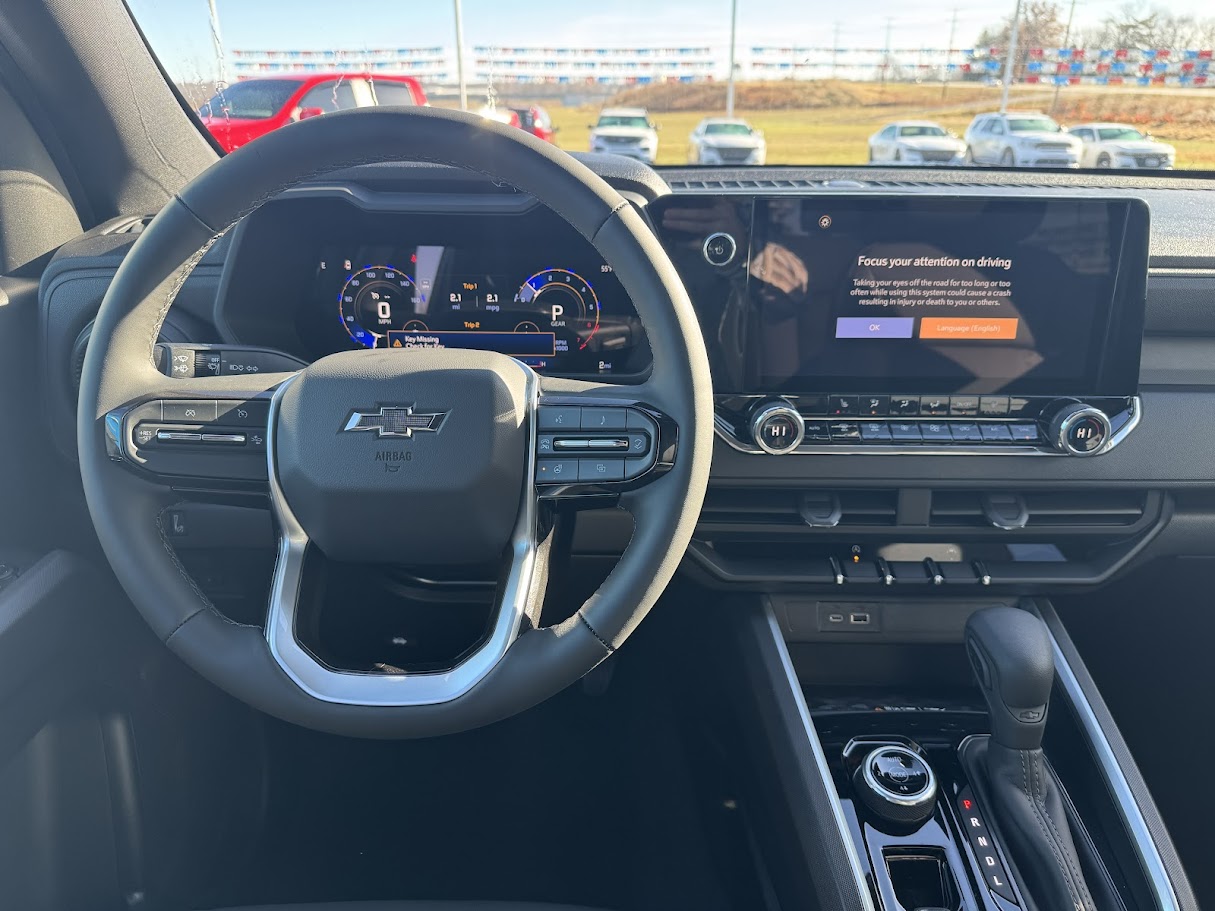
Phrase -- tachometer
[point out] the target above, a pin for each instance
(563, 300)
(376, 300)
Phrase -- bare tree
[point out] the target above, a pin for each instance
(1144, 26)
(1042, 26)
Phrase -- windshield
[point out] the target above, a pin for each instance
(1032, 125)
(834, 90)
(922, 131)
(256, 100)
(1108, 134)
(637, 123)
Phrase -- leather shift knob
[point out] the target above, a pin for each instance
(1010, 652)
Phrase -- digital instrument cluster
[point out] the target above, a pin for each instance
(524, 284)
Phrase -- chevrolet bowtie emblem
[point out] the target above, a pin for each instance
(396, 421)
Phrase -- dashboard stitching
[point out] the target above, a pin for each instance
(183, 274)
(594, 632)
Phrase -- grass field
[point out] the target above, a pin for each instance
(829, 123)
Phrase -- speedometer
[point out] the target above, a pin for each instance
(375, 301)
(564, 303)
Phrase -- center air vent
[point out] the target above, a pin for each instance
(1077, 510)
(790, 508)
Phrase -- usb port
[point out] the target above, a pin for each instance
(859, 618)
(835, 618)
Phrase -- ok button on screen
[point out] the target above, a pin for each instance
(875, 327)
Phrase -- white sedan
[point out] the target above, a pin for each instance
(1119, 145)
(725, 141)
(916, 142)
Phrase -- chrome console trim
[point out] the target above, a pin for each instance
(1128, 808)
(820, 760)
(352, 688)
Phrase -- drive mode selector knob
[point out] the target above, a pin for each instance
(777, 427)
(897, 784)
(1080, 429)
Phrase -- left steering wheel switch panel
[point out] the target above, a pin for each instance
(221, 439)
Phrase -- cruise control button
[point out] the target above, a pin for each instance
(600, 470)
(178, 436)
(560, 417)
(844, 430)
(187, 411)
(544, 443)
(995, 433)
(875, 433)
(244, 414)
(555, 471)
(1024, 433)
(228, 439)
(936, 433)
(604, 419)
(905, 433)
(144, 434)
(966, 433)
(579, 443)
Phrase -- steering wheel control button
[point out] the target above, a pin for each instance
(897, 784)
(604, 419)
(556, 471)
(190, 412)
(244, 414)
(600, 470)
(178, 436)
(777, 427)
(226, 439)
(720, 249)
(560, 417)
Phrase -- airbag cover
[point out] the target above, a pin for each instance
(415, 457)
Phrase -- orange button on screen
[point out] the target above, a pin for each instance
(932, 327)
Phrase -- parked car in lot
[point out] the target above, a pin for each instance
(245, 110)
(536, 121)
(916, 142)
(625, 131)
(725, 140)
(1120, 145)
(1021, 139)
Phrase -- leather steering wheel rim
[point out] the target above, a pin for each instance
(119, 370)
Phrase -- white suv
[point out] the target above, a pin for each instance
(625, 131)
(1020, 139)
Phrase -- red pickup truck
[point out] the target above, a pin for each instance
(253, 107)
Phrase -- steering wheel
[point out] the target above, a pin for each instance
(383, 456)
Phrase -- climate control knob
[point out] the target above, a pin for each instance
(1080, 429)
(777, 427)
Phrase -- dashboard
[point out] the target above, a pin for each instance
(318, 273)
(1110, 314)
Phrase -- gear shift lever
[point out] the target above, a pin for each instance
(1010, 652)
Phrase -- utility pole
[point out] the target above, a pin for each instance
(730, 80)
(886, 56)
(953, 31)
(217, 42)
(835, 48)
(1067, 43)
(459, 55)
(1012, 56)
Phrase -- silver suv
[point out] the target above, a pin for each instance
(1021, 139)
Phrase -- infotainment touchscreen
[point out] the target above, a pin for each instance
(943, 295)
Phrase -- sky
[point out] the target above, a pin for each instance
(179, 32)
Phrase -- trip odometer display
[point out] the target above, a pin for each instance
(377, 300)
(564, 302)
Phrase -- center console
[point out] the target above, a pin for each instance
(929, 325)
